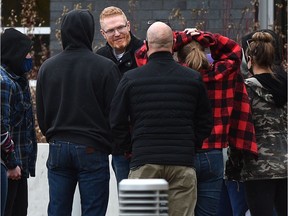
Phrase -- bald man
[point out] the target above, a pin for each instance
(170, 116)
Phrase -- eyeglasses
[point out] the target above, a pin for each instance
(120, 29)
(248, 43)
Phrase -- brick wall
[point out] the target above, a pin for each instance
(232, 18)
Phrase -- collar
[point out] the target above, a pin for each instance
(165, 55)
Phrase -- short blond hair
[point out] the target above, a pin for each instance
(111, 11)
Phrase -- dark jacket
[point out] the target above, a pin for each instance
(75, 88)
(169, 111)
(127, 62)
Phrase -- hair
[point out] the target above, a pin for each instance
(261, 49)
(193, 56)
(111, 11)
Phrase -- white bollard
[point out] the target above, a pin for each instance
(143, 197)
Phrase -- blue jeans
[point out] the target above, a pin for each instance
(4, 188)
(233, 199)
(120, 166)
(69, 164)
(210, 171)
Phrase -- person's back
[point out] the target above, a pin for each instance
(163, 95)
(170, 115)
(265, 179)
(74, 91)
(233, 124)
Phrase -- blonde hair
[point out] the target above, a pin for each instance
(193, 56)
(261, 50)
(111, 11)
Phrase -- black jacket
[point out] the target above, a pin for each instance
(169, 111)
(75, 88)
(127, 62)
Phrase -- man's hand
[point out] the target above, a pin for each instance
(14, 174)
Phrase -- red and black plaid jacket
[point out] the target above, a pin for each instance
(233, 124)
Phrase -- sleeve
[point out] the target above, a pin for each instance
(119, 117)
(6, 101)
(7, 145)
(40, 111)
(7, 150)
(111, 81)
(181, 39)
(226, 53)
(204, 116)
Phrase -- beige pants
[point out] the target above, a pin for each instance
(182, 185)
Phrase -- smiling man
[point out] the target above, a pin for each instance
(120, 48)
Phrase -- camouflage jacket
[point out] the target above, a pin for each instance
(271, 135)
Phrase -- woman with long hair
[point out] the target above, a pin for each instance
(229, 100)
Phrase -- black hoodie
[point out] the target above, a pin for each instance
(14, 48)
(75, 87)
(277, 87)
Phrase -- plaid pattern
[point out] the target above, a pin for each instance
(7, 151)
(233, 125)
(6, 143)
(17, 119)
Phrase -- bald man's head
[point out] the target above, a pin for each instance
(159, 37)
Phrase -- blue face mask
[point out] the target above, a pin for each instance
(27, 65)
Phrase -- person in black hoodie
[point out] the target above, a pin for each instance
(170, 115)
(17, 119)
(74, 91)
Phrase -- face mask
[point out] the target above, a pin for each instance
(27, 65)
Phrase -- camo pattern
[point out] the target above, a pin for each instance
(271, 136)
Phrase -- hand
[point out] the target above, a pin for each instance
(14, 174)
(192, 31)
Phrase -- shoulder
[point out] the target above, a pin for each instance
(104, 50)
(5, 78)
(136, 43)
(252, 81)
(190, 72)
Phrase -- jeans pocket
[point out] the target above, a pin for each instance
(91, 160)
(54, 155)
(215, 163)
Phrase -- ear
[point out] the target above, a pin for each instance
(147, 47)
(248, 59)
(128, 25)
(103, 34)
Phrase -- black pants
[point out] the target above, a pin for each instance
(264, 195)
(17, 198)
